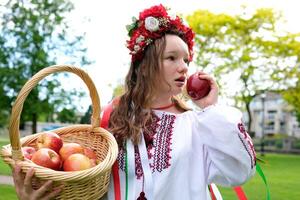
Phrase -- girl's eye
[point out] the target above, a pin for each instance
(171, 58)
(186, 61)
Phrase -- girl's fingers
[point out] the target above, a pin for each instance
(210, 79)
(17, 175)
(206, 77)
(42, 190)
(28, 180)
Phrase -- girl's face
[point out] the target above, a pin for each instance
(175, 61)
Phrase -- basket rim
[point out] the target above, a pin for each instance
(66, 176)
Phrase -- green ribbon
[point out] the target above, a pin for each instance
(260, 172)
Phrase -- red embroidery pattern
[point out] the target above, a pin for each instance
(247, 143)
(162, 144)
(138, 164)
(158, 136)
(149, 134)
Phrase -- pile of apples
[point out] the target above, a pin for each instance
(53, 153)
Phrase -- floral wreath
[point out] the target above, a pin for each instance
(154, 23)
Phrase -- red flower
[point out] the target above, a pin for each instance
(154, 11)
(156, 28)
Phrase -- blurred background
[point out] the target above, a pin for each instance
(252, 48)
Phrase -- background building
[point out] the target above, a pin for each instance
(272, 111)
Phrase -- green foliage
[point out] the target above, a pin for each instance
(67, 116)
(292, 96)
(118, 90)
(86, 119)
(33, 36)
(247, 47)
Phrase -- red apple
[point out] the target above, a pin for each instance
(197, 88)
(47, 158)
(49, 140)
(28, 152)
(89, 153)
(76, 162)
(69, 149)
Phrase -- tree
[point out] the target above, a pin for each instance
(33, 35)
(86, 118)
(292, 96)
(248, 48)
(67, 116)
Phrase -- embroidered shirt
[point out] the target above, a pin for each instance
(188, 151)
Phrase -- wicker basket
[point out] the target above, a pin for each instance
(86, 184)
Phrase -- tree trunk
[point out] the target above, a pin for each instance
(252, 134)
(34, 123)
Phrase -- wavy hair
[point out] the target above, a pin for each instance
(133, 111)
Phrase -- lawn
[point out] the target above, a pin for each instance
(4, 168)
(7, 193)
(283, 175)
(282, 172)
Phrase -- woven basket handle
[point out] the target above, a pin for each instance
(14, 133)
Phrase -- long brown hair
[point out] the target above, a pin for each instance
(133, 111)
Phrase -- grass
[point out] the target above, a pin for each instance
(282, 172)
(7, 192)
(4, 168)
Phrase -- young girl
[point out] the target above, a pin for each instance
(167, 151)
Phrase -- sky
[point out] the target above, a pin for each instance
(104, 25)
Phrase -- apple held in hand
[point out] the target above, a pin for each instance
(197, 88)
(76, 162)
(28, 152)
(49, 140)
(47, 158)
(69, 149)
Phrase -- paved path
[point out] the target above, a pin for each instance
(6, 180)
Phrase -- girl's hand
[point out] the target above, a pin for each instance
(24, 190)
(212, 97)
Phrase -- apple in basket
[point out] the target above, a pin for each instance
(197, 88)
(49, 140)
(47, 158)
(77, 162)
(90, 154)
(28, 152)
(69, 149)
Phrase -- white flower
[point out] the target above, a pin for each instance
(151, 24)
(136, 48)
(140, 39)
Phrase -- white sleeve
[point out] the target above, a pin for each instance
(228, 149)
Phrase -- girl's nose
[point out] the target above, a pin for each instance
(183, 66)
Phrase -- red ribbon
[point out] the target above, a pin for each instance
(240, 193)
(115, 169)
